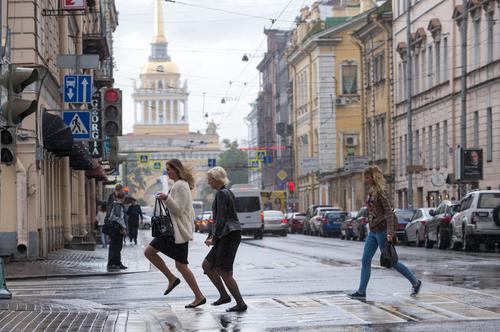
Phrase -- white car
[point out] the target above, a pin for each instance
(476, 222)
(146, 222)
(415, 229)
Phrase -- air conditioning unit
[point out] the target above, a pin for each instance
(351, 140)
(340, 101)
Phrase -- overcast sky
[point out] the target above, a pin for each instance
(207, 46)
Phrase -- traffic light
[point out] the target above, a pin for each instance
(291, 186)
(8, 145)
(16, 79)
(112, 112)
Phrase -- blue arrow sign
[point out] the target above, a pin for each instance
(79, 122)
(78, 89)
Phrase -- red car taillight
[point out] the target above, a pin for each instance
(446, 219)
(284, 221)
(362, 220)
(262, 216)
(423, 222)
(210, 221)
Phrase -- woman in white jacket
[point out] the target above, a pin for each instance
(180, 205)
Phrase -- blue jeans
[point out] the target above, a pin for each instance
(374, 240)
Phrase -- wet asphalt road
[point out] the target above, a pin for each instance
(298, 283)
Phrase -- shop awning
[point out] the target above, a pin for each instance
(80, 158)
(97, 172)
(57, 136)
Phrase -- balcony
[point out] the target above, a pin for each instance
(103, 76)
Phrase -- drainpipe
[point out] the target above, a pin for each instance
(81, 203)
(66, 201)
(22, 222)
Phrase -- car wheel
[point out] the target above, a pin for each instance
(467, 241)
(442, 242)
(284, 234)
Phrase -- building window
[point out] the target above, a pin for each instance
(416, 73)
(445, 144)
(400, 83)
(430, 166)
(438, 146)
(489, 135)
(438, 62)
(349, 79)
(445, 59)
(401, 161)
(476, 129)
(430, 67)
(476, 41)
(423, 68)
(489, 43)
(160, 85)
(417, 148)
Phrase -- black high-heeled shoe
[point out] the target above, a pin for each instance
(190, 305)
(222, 300)
(238, 308)
(171, 288)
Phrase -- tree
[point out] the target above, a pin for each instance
(235, 162)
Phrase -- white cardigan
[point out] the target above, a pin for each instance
(180, 205)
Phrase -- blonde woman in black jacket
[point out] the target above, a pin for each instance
(225, 238)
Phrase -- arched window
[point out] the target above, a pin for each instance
(160, 85)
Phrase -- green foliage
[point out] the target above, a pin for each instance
(235, 162)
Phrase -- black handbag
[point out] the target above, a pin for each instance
(161, 223)
(389, 256)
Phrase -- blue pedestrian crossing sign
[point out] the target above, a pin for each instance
(78, 89)
(212, 162)
(79, 122)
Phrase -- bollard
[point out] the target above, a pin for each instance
(4, 291)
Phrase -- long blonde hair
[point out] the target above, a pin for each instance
(183, 173)
(378, 186)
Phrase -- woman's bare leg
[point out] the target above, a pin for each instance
(152, 255)
(191, 281)
(215, 278)
(231, 284)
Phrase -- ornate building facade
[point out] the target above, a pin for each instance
(161, 126)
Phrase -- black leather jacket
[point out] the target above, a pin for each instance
(224, 214)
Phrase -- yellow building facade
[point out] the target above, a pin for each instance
(325, 68)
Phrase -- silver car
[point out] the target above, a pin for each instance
(415, 229)
(275, 222)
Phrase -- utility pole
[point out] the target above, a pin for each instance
(463, 86)
(408, 103)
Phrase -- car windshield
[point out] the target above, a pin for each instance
(207, 216)
(488, 200)
(273, 214)
(336, 216)
(299, 215)
(452, 209)
(404, 214)
(247, 204)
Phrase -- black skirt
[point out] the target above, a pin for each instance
(168, 247)
(224, 251)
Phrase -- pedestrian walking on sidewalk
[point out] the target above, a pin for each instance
(180, 206)
(225, 238)
(116, 216)
(112, 196)
(382, 223)
(101, 216)
(134, 212)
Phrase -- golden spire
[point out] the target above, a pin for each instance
(159, 28)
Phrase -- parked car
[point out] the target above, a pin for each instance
(295, 222)
(360, 225)
(404, 216)
(311, 211)
(346, 231)
(197, 222)
(437, 229)
(206, 223)
(249, 207)
(274, 222)
(146, 222)
(477, 221)
(415, 229)
(331, 223)
(316, 222)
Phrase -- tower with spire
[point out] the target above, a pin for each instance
(161, 100)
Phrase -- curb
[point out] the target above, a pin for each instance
(73, 275)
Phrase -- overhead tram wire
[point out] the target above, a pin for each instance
(273, 20)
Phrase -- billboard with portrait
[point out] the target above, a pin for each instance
(472, 164)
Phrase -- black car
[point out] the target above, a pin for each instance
(437, 230)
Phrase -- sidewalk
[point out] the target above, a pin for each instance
(76, 263)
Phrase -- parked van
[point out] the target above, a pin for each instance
(249, 206)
